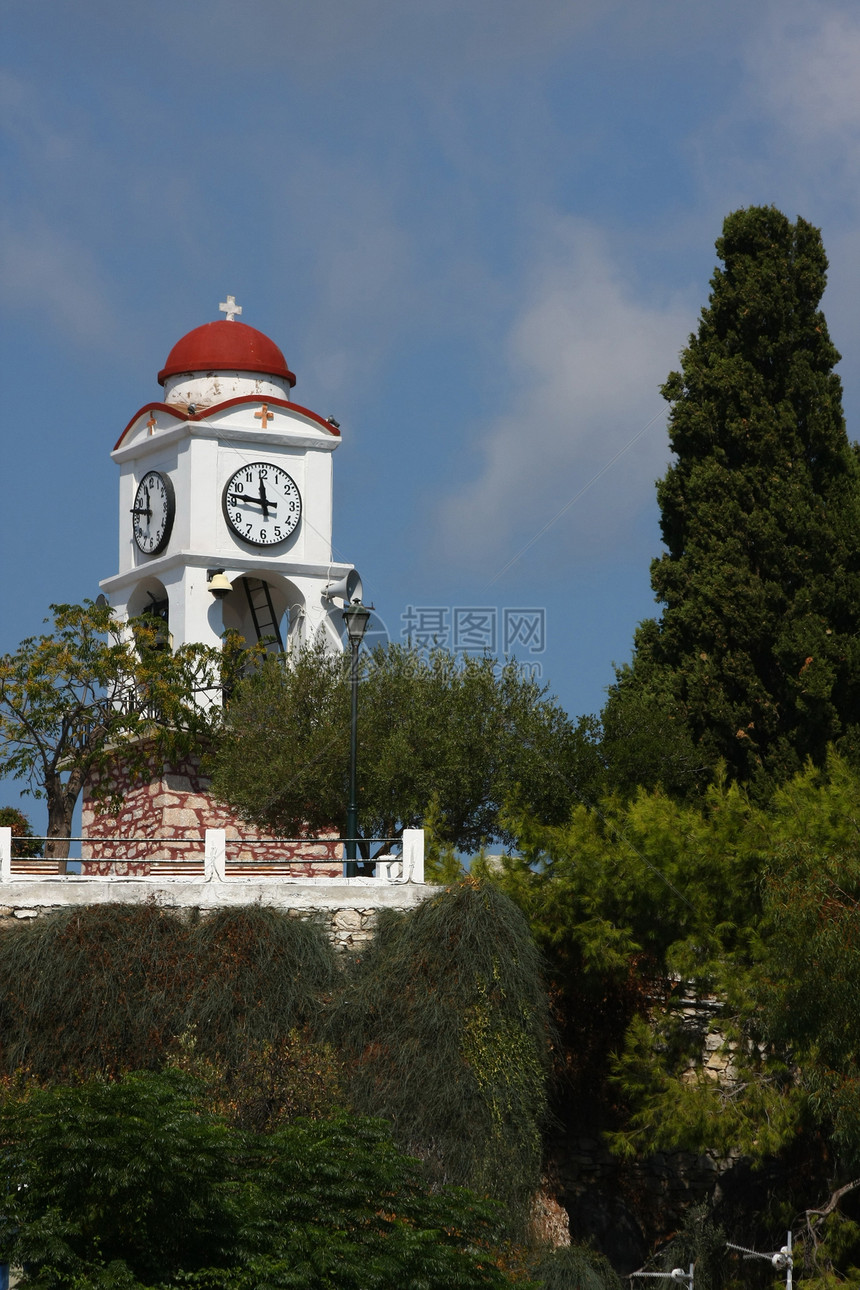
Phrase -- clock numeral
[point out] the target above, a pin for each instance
(239, 487)
(238, 518)
(277, 531)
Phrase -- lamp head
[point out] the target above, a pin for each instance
(356, 616)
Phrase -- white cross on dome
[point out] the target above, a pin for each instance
(230, 308)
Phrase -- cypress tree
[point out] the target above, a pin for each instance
(756, 656)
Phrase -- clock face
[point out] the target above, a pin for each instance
(152, 513)
(262, 504)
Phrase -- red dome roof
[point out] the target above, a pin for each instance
(225, 347)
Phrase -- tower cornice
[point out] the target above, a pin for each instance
(192, 420)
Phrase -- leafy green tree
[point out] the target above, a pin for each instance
(137, 1184)
(638, 905)
(701, 961)
(345, 1208)
(663, 885)
(133, 1171)
(465, 733)
(757, 651)
(91, 690)
(799, 998)
(776, 1076)
(23, 841)
(751, 912)
(444, 1029)
(645, 738)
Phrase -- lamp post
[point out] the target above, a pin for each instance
(356, 616)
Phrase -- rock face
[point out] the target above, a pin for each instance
(168, 815)
(550, 1221)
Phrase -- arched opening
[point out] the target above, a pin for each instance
(150, 601)
(265, 610)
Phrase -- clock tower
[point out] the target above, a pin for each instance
(225, 520)
(225, 498)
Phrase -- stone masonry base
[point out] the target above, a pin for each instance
(347, 908)
(164, 820)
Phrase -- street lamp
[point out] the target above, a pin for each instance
(356, 616)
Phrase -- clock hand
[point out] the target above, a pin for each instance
(264, 501)
(257, 501)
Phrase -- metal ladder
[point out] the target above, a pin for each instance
(263, 614)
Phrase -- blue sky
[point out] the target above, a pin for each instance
(480, 230)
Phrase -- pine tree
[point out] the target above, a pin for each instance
(756, 657)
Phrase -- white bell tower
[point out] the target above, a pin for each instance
(225, 498)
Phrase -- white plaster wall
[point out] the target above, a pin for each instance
(214, 387)
(200, 456)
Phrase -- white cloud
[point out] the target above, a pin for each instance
(806, 64)
(586, 359)
(792, 135)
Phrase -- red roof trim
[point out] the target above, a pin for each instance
(228, 403)
(149, 407)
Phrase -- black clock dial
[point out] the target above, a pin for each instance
(153, 512)
(262, 504)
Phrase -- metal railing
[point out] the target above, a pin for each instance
(210, 862)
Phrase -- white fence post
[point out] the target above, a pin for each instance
(413, 855)
(5, 854)
(215, 855)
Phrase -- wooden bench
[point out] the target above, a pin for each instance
(175, 868)
(276, 869)
(34, 866)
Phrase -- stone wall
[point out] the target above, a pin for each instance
(349, 927)
(164, 819)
